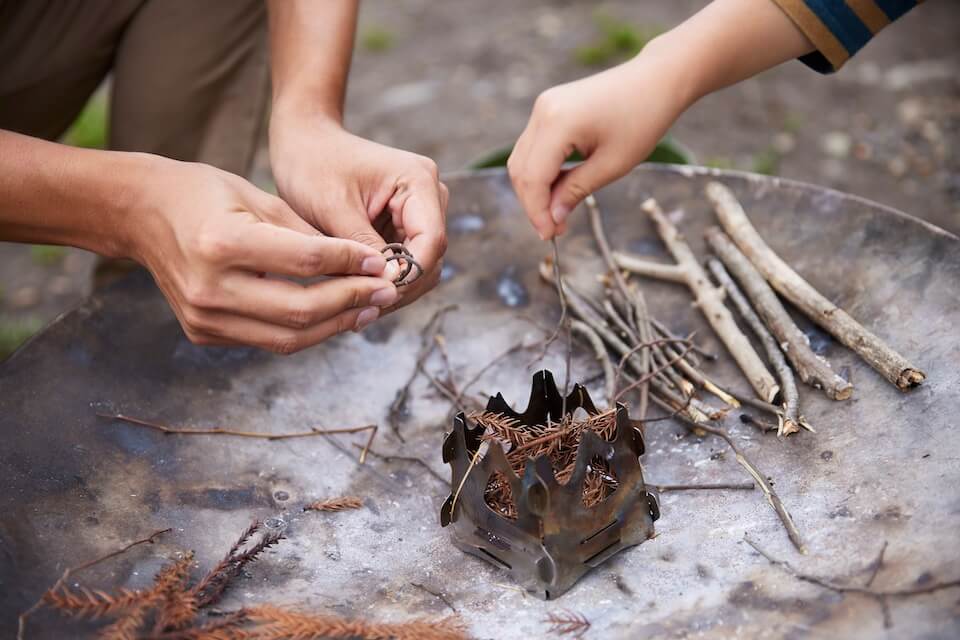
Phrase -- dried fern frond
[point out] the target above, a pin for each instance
(335, 504)
(274, 623)
(567, 623)
(93, 604)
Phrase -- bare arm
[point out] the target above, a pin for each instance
(615, 118)
(336, 181)
(311, 44)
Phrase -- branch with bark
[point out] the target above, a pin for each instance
(893, 366)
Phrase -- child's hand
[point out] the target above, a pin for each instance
(614, 119)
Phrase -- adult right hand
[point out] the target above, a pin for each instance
(221, 251)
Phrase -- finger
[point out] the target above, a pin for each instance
(533, 169)
(288, 304)
(359, 228)
(576, 184)
(227, 328)
(423, 222)
(267, 247)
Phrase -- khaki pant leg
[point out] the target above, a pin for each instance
(53, 55)
(191, 81)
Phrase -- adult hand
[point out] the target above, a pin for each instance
(216, 244)
(352, 188)
(613, 119)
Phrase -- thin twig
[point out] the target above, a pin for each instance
(708, 299)
(880, 595)
(720, 486)
(411, 459)
(790, 422)
(22, 620)
(634, 297)
(600, 350)
(398, 407)
(436, 594)
(212, 431)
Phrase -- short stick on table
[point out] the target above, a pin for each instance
(811, 368)
(711, 304)
(893, 366)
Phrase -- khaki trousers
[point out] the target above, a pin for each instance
(189, 77)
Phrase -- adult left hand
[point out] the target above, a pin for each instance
(349, 187)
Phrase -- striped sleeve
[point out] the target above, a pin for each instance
(840, 28)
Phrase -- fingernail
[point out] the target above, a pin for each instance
(384, 297)
(367, 316)
(560, 213)
(391, 271)
(373, 265)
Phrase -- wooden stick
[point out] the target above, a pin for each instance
(657, 270)
(600, 350)
(633, 295)
(213, 431)
(893, 366)
(721, 486)
(813, 369)
(790, 422)
(711, 304)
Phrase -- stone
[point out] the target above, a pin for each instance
(836, 144)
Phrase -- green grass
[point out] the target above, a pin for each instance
(46, 255)
(766, 162)
(90, 128)
(719, 162)
(377, 39)
(618, 41)
(13, 333)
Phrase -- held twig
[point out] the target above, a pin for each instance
(708, 298)
(893, 366)
(212, 431)
(811, 368)
(790, 422)
(22, 619)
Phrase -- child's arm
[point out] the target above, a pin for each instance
(615, 118)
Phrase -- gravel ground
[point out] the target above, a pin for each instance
(456, 79)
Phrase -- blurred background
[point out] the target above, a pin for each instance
(455, 80)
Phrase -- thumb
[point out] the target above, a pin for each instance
(577, 183)
(359, 229)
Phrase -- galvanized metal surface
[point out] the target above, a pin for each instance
(883, 466)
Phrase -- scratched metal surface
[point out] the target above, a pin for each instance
(883, 467)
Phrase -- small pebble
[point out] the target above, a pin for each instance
(24, 297)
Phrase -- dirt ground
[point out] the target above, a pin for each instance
(456, 79)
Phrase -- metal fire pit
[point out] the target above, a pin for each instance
(884, 466)
(555, 539)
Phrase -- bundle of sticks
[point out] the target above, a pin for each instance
(559, 442)
(747, 273)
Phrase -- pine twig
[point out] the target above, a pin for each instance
(335, 504)
(567, 623)
(880, 595)
(58, 585)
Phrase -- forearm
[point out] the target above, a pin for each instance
(729, 41)
(55, 194)
(311, 44)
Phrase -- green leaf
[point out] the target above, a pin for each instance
(89, 130)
